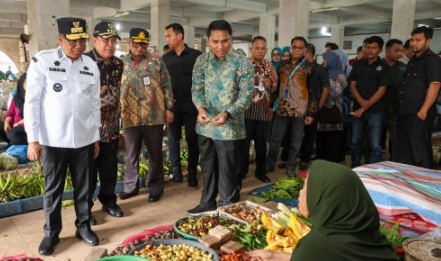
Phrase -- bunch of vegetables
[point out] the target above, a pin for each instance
(251, 236)
(392, 235)
(282, 189)
(285, 229)
(199, 226)
(175, 252)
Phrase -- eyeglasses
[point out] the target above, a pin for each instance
(276, 54)
(297, 47)
(72, 43)
(142, 45)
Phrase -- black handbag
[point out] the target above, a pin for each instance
(331, 115)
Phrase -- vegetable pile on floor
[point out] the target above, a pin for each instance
(282, 189)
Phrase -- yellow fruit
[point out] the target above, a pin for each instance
(297, 226)
(271, 224)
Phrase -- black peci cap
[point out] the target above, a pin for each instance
(138, 35)
(72, 28)
(105, 30)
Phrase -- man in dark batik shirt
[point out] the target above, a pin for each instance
(111, 68)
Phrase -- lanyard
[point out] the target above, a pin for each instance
(292, 74)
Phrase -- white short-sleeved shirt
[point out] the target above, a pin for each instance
(62, 103)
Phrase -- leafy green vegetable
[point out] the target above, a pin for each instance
(392, 235)
(250, 236)
(282, 189)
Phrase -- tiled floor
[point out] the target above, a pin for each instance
(23, 233)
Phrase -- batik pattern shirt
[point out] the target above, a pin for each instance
(261, 109)
(225, 86)
(299, 101)
(146, 91)
(110, 77)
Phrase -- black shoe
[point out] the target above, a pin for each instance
(202, 211)
(268, 169)
(303, 165)
(93, 220)
(263, 178)
(177, 175)
(123, 195)
(113, 211)
(193, 183)
(47, 245)
(89, 237)
(282, 165)
(291, 173)
(154, 197)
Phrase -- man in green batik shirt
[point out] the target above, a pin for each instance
(223, 85)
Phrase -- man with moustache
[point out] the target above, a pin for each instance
(62, 121)
(416, 99)
(180, 61)
(111, 68)
(223, 83)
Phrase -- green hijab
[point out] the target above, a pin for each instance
(346, 221)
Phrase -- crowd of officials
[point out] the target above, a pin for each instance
(74, 102)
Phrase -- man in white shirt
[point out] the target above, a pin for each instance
(62, 120)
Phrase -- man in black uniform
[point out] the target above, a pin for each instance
(111, 68)
(62, 120)
(180, 62)
(416, 99)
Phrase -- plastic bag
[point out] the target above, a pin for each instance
(20, 152)
(434, 234)
(8, 162)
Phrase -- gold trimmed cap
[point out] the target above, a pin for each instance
(138, 35)
(72, 28)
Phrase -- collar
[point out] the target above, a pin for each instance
(378, 61)
(99, 58)
(142, 57)
(61, 55)
(396, 64)
(186, 50)
(264, 62)
(428, 51)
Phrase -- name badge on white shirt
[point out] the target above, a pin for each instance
(146, 81)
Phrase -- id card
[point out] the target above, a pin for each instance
(261, 87)
(146, 81)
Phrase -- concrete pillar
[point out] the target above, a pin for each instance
(189, 35)
(203, 44)
(91, 23)
(43, 28)
(267, 29)
(338, 35)
(293, 20)
(159, 19)
(402, 19)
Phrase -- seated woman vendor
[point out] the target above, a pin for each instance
(12, 130)
(346, 223)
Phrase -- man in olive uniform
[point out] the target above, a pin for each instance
(62, 121)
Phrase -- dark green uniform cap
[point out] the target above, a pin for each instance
(138, 35)
(105, 30)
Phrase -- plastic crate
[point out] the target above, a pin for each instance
(248, 205)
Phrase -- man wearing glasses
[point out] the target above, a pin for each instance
(146, 105)
(296, 108)
(104, 40)
(62, 121)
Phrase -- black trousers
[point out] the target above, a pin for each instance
(328, 145)
(55, 163)
(219, 161)
(187, 119)
(257, 131)
(308, 141)
(415, 140)
(16, 135)
(152, 136)
(286, 144)
(107, 166)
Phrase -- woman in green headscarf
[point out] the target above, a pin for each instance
(346, 221)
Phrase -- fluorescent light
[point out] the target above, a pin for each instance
(325, 32)
(118, 14)
(117, 47)
(325, 9)
(420, 25)
(437, 18)
(117, 26)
